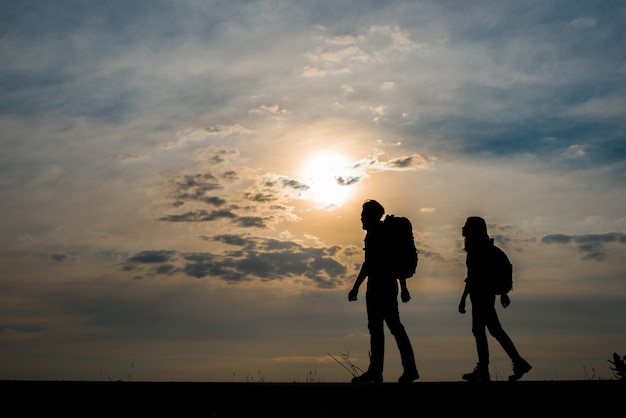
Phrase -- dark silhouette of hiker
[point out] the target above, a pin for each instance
(478, 247)
(381, 299)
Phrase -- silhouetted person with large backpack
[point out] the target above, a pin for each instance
(484, 276)
(382, 298)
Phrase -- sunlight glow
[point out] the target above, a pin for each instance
(327, 175)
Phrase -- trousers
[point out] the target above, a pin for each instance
(485, 317)
(382, 307)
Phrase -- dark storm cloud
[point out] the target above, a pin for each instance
(590, 245)
(254, 259)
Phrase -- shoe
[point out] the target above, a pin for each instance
(480, 374)
(520, 368)
(409, 377)
(368, 377)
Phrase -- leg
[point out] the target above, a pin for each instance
(520, 366)
(480, 334)
(496, 330)
(375, 324)
(402, 340)
(481, 371)
(392, 318)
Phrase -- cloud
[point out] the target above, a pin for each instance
(403, 163)
(127, 157)
(260, 200)
(575, 151)
(203, 132)
(235, 240)
(197, 187)
(200, 216)
(590, 245)
(344, 54)
(255, 259)
(251, 221)
(410, 162)
(272, 109)
(58, 257)
(282, 182)
(151, 257)
(348, 181)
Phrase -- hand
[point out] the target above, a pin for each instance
(462, 306)
(353, 293)
(405, 295)
(505, 300)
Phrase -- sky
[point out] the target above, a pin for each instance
(181, 183)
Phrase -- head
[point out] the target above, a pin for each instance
(474, 231)
(371, 214)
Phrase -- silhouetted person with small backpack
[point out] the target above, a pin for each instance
(382, 298)
(481, 263)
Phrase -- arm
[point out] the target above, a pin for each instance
(505, 300)
(463, 297)
(357, 283)
(404, 291)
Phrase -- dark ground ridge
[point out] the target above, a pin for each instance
(217, 400)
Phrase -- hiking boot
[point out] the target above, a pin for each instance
(480, 374)
(409, 377)
(368, 377)
(520, 368)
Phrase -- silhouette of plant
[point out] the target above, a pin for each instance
(258, 379)
(312, 377)
(619, 366)
(105, 375)
(347, 364)
(587, 375)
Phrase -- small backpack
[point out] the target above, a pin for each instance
(501, 274)
(401, 250)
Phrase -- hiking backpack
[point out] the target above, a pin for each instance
(402, 250)
(501, 275)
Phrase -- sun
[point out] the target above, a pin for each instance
(326, 174)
